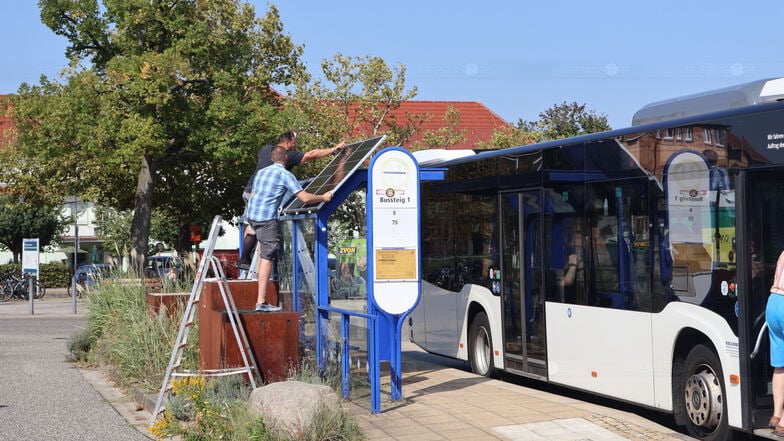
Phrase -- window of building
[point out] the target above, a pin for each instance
(720, 137)
(687, 134)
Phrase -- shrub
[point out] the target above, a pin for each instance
(79, 348)
(52, 275)
(211, 410)
(136, 345)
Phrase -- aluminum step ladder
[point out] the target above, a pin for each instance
(208, 260)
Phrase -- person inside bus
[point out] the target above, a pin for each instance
(573, 278)
(774, 315)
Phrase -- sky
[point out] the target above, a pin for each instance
(517, 57)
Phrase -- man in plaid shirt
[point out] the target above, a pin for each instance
(269, 186)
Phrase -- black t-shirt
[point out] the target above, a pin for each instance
(265, 159)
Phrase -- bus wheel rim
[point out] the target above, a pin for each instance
(703, 399)
(482, 350)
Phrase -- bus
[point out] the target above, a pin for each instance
(633, 264)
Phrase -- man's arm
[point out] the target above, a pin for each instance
(311, 155)
(310, 198)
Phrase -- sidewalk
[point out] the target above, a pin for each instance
(442, 401)
(42, 396)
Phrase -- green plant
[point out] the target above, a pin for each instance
(206, 410)
(52, 275)
(137, 345)
(79, 348)
(333, 424)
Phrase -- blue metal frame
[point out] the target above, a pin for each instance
(380, 324)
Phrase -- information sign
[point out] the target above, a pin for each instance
(394, 202)
(30, 256)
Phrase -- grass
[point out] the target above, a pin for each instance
(136, 347)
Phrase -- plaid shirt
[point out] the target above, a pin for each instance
(269, 186)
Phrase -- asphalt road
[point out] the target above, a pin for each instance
(42, 396)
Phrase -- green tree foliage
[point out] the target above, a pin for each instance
(163, 105)
(445, 136)
(558, 122)
(20, 220)
(354, 100)
(568, 120)
(511, 137)
(116, 227)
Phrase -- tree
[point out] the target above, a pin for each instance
(19, 221)
(163, 105)
(116, 227)
(568, 120)
(511, 137)
(355, 100)
(445, 136)
(558, 122)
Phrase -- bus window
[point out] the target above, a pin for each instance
(474, 239)
(619, 246)
(438, 260)
(567, 247)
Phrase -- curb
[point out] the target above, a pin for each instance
(145, 400)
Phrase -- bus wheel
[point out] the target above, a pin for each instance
(480, 346)
(704, 405)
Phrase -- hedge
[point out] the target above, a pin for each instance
(53, 275)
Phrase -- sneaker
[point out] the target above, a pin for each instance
(266, 307)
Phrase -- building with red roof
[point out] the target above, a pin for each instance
(476, 121)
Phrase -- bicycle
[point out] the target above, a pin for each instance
(15, 287)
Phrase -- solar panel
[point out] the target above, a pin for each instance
(336, 172)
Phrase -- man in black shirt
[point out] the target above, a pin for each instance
(288, 141)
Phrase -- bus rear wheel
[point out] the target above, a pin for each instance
(703, 394)
(480, 346)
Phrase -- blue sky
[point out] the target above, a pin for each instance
(518, 58)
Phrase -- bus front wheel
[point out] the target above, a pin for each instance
(702, 391)
(480, 346)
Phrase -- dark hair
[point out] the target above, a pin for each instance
(287, 136)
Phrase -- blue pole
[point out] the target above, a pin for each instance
(345, 358)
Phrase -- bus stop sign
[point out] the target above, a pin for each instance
(393, 198)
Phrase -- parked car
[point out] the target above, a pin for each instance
(87, 275)
(162, 266)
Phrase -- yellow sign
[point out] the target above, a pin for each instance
(396, 264)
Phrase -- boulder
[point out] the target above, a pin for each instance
(289, 406)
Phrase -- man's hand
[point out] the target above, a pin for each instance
(327, 196)
(338, 147)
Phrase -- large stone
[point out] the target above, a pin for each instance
(289, 406)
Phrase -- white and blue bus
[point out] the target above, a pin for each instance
(633, 264)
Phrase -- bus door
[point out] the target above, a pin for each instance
(521, 275)
(760, 211)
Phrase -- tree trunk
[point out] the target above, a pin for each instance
(140, 225)
(184, 245)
